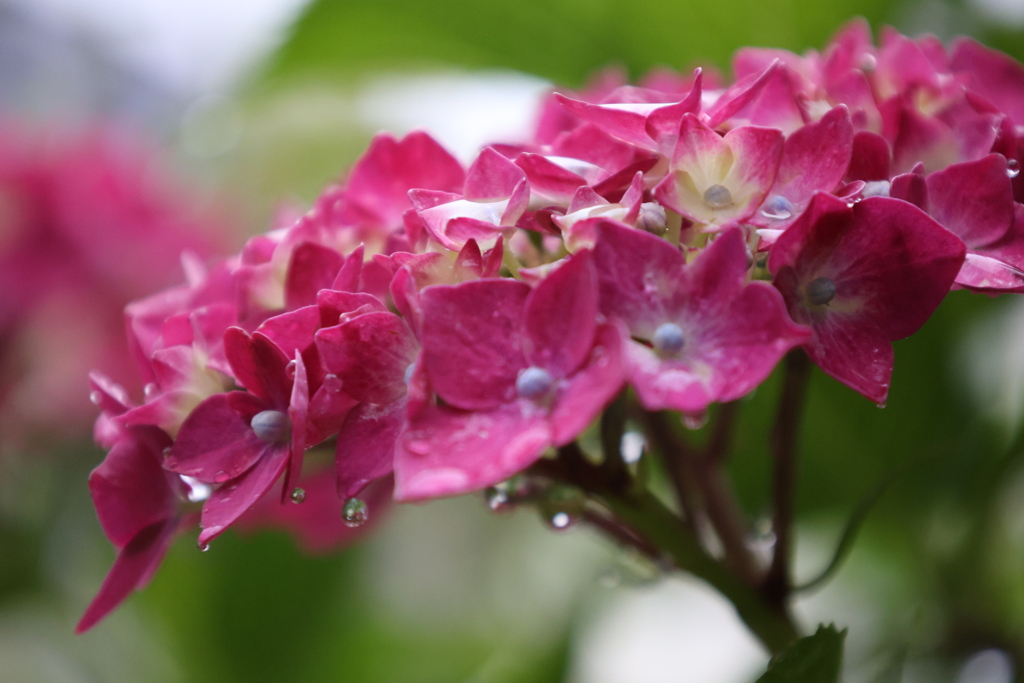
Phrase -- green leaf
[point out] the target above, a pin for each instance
(814, 659)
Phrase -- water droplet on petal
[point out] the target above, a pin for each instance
(150, 390)
(203, 547)
(777, 208)
(198, 491)
(272, 426)
(695, 421)
(408, 373)
(876, 188)
(167, 451)
(355, 513)
(95, 397)
(820, 291)
(534, 383)
(868, 62)
(668, 340)
(289, 370)
(560, 520)
(1012, 168)
(718, 197)
(298, 495)
(332, 383)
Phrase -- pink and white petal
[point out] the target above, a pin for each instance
(550, 180)
(366, 445)
(713, 280)
(560, 316)
(472, 341)
(448, 452)
(984, 273)
(234, 498)
(757, 153)
(588, 392)
(216, 442)
(135, 564)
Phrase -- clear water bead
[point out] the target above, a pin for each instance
(95, 397)
(718, 197)
(271, 426)
(298, 495)
(777, 208)
(534, 383)
(821, 291)
(355, 513)
(497, 499)
(876, 188)
(289, 369)
(668, 340)
(561, 520)
(695, 421)
(150, 390)
(1012, 168)
(409, 370)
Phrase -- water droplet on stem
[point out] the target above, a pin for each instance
(355, 513)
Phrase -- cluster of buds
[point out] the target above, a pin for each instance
(444, 327)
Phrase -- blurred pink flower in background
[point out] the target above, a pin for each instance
(88, 222)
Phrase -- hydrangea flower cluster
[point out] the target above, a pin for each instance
(448, 326)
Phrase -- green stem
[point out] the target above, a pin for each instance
(772, 624)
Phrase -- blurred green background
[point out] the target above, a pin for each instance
(933, 590)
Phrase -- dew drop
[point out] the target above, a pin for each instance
(560, 520)
(563, 507)
(355, 513)
(820, 291)
(150, 390)
(534, 383)
(408, 373)
(298, 495)
(868, 62)
(497, 499)
(1012, 168)
(695, 421)
(203, 547)
(289, 369)
(668, 340)
(632, 446)
(332, 383)
(167, 451)
(271, 426)
(718, 197)
(777, 208)
(876, 188)
(95, 397)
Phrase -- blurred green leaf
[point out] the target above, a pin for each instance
(814, 659)
(564, 40)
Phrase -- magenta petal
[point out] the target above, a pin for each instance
(561, 316)
(974, 199)
(333, 305)
(298, 412)
(815, 157)
(870, 159)
(636, 272)
(448, 452)
(216, 441)
(584, 395)
(366, 445)
(381, 179)
(369, 354)
(548, 179)
(472, 341)
(258, 365)
(292, 331)
(130, 488)
(995, 76)
(854, 352)
(231, 500)
(135, 563)
(312, 267)
(491, 177)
